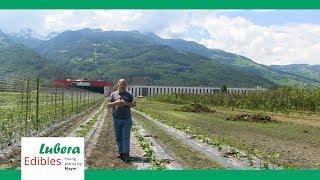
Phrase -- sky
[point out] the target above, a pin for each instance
(271, 37)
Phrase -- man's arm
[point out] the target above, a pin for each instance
(116, 103)
(130, 104)
(113, 103)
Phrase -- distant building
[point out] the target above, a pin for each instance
(152, 90)
(99, 86)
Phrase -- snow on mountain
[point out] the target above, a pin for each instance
(27, 33)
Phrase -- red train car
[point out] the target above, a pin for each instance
(99, 86)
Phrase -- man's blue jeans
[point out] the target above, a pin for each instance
(122, 131)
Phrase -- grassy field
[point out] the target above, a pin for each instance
(280, 100)
(298, 144)
(9, 98)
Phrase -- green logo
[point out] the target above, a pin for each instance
(59, 150)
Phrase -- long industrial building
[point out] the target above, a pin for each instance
(152, 90)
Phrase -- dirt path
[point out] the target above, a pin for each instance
(92, 137)
(104, 155)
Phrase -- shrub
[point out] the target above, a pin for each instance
(195, 107)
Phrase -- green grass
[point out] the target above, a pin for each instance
(260, 138)
(9, 98)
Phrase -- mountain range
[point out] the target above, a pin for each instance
(109, 55)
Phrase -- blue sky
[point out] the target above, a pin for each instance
(265, 36)
(279, 17)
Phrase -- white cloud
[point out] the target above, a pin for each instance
(275, 44)
(286, 44)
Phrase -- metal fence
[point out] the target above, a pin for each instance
(29, 104)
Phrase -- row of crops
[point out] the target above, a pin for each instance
(29, 105)
(283, 100)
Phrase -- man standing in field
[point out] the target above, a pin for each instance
(121, 102)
